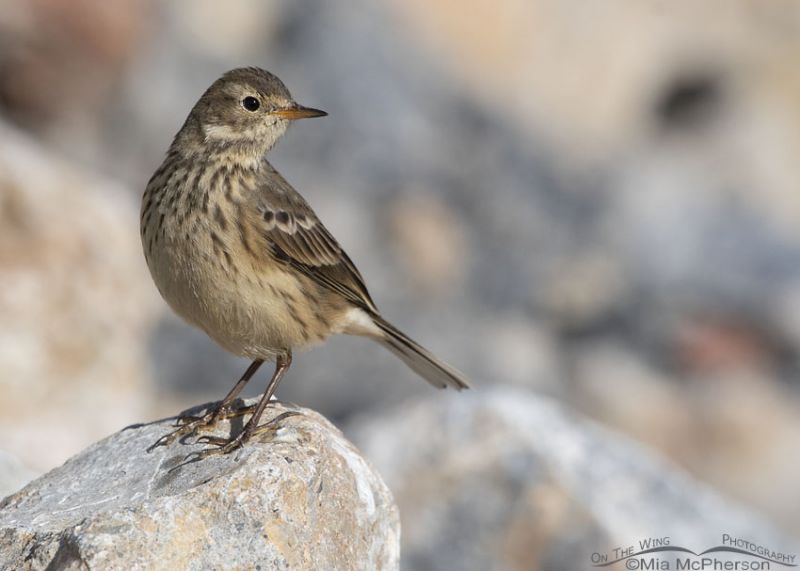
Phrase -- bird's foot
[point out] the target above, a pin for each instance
(188, 425)
(222, 446)
(214, 415)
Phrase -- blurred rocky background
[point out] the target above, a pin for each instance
(594, 201)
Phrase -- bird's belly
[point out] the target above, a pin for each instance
(251, 314)
(262, 317)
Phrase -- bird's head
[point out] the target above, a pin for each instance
(248, 108)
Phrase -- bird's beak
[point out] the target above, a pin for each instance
(296, 111)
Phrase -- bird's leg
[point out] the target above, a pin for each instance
(223, 445)
(223, 409)
(189, 424)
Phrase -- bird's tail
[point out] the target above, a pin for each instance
(420, 360)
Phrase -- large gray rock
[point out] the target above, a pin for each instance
(506, 480)
(304, 499)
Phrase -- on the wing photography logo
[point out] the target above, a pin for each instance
(659, 554)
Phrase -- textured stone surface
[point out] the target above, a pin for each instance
(505, 480)
(304, 500)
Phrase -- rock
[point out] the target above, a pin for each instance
(304, 500)
(502, 479)
(735, 430)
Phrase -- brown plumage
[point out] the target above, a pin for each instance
(237, 252)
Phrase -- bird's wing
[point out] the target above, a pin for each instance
(295, 236)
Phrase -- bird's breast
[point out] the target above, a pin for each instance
(249, 303)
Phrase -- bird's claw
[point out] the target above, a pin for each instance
(163, 441)
(269, 426)
(213, 440)
(222, 446)
(189, 424)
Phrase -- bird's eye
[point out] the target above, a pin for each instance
(251, 103)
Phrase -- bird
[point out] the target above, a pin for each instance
(237, 252)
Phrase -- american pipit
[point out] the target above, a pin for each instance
(237, 252)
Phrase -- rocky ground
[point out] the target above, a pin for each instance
(306, 499)
(492, 479)
(501, 479)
